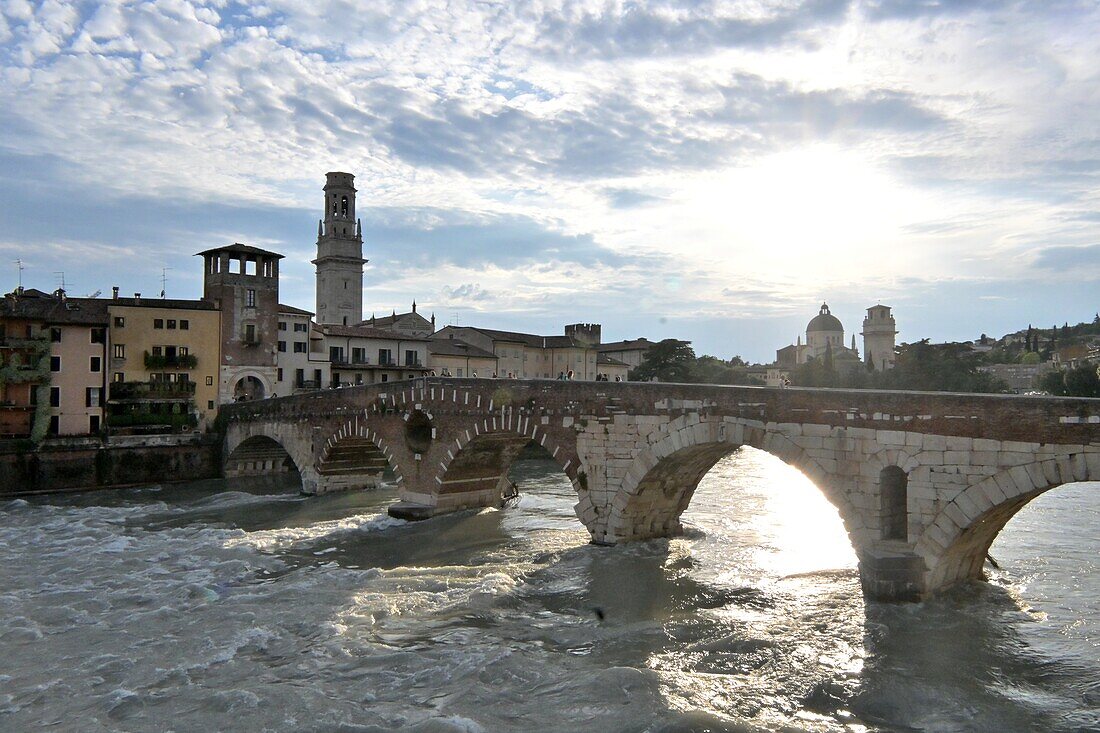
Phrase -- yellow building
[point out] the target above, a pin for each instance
(163, 358)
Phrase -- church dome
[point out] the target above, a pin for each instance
(824, 321)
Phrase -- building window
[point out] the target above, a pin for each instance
(185, 325)
(410, 358)
(210, 404)
(301, 327)
(385, 377)
(359, 355)
(55, 397)
(209, 381)
(55, 425)
(118, 377)
(93, 423)
(158, 351)
(99, 335)
(91, 397)
(300, 347)
(278, 375)
(251, 302)
(385, 357)
(282, 346)
(95, 364)
(120, 351)
(336, 354)
(172, 323)
(282, 325)
(55, 363)
(120, 322)
(55, 335)
(299, 377)
(158, 323)
(250, 333)
(182, 350)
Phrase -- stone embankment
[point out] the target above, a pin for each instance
(71, 464)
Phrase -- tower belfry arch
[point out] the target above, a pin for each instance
(340, 259)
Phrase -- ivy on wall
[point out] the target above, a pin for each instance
(35, 371)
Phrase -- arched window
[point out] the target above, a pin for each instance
(343, 206)
(893, 488)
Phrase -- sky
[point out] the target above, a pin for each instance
(711, 170)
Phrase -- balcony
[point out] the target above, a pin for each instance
(160, 361)
(151, 390)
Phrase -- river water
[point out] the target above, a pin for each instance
(246, 607)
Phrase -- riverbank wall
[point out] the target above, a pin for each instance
(74, 464)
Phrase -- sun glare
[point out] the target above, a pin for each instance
(816, 209)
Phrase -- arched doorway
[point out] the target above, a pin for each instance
(248, 388)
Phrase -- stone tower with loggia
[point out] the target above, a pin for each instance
(879, 332)
(339, 255)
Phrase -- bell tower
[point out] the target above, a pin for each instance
(339, 254)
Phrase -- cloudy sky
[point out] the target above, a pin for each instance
(708, 169)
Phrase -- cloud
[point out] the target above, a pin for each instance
(1083, 261)
(677, 27)
(464, 294)
(427, 237)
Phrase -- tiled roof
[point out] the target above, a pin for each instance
(530, 339)
(635, 344)
(195, 305)
(239, 248)
(605, 359)
(35, 305)
(294, 311)
(456, 347)
(332, 329)
(384, 321)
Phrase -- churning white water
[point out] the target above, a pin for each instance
(246, 607)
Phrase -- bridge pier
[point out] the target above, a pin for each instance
(892, 575)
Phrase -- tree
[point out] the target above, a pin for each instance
(1084, 381)
(670, 360)
(939, 368)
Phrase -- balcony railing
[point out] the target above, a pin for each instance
(151, 390)
(161, 361)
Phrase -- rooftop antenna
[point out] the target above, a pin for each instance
(19, 264)
(454, 318)
(60, 279)
(164, 280)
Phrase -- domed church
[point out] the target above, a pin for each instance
(825, 333)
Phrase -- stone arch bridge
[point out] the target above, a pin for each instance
(922, 481)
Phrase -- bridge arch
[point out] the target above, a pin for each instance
(474, 469)
(260, 454)
(355, 456)
(955, 544)
(661, 483)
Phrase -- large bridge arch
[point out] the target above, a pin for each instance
(660, 485)
(473, 470)
(258, 453)
(955, 545)
(355, 456)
